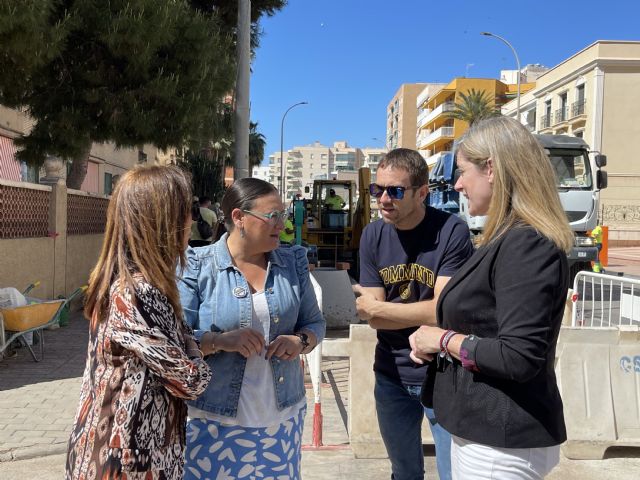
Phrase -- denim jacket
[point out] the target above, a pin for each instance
(216, 297)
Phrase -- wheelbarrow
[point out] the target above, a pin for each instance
(34, 318)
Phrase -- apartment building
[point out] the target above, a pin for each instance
(106, 162)
(436, 130)
(371, 159)
(595, 95)
(401, 116)
(304, 164)
(261, 172)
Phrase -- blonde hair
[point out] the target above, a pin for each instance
(147, 217)
(524, 189)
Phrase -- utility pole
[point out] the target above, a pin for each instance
(243, 53)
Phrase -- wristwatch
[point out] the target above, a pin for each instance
(304, 338)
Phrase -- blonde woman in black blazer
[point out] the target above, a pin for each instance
(492, 383)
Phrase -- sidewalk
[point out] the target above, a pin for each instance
(624, 260)
(38, 403)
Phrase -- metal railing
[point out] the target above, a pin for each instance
(545, 121)
(562, 114)
(601, 300)
(577, 108)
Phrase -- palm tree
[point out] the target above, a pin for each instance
(473, 106)
(257, 142)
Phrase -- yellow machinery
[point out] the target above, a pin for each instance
(333, 231)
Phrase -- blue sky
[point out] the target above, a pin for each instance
(347, 58)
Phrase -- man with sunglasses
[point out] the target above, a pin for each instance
(406, 259)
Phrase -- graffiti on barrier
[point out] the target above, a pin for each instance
(630, 364)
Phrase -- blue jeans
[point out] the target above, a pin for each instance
(400, 418)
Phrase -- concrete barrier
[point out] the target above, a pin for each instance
(599, 378)
(364, 433)
(338, 301)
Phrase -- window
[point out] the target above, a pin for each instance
(323, 156)
(108, 183)
(562, 112)
(29, 173)
(311, 156)
(578, 106)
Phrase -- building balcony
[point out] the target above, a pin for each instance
(545, 121)
(433, 159)
(422, 97)
(421, 118)
(439, 110)
(578, 111)
(561, 115)
(424, 140)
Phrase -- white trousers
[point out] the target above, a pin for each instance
(474, 461)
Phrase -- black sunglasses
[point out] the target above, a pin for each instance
(395, 192)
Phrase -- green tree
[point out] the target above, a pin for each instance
(207, 175)
(257, 142)
(473, 106)
(126, 71)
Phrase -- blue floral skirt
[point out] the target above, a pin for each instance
(228, 452)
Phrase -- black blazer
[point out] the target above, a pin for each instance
(511, 295)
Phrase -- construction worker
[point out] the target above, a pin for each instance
(333, 201)
(287, 235)
(596, 234)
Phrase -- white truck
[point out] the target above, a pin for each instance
(579, 178)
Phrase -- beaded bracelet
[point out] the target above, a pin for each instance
(444, 342)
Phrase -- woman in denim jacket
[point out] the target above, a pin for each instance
(252, 307)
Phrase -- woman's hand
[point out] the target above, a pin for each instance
(191, 347)
(285, 347)
(245, 341)
(424, 343)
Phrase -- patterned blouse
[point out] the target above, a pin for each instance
(131, 418)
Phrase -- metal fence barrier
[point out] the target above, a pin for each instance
(601, 300)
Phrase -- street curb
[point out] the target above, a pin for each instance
(35, 451)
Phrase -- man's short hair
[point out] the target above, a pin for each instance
(204, 200)
(410, 161)
(332, 191)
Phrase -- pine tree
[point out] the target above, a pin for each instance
(125, 71)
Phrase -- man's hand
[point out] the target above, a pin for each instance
(366, 305)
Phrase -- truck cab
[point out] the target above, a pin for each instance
(579, 179)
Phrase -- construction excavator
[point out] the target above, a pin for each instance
(331, 233)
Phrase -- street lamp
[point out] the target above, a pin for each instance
(488, 34)
(282, 183)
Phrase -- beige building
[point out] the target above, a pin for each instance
(595, 94)
(304, 164)
(371, 159)
(106, 162)
(261, 172)
(401, 116)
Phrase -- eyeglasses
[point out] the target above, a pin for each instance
(395, 192)
(273, 217)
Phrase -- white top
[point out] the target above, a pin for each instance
(257, 404)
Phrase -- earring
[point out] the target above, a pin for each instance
(242, 232)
